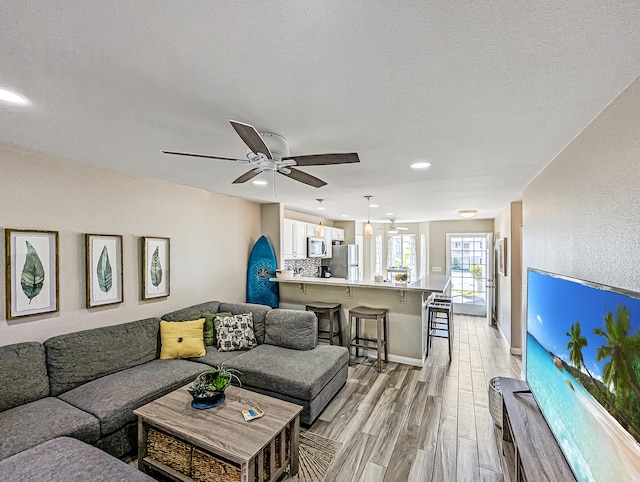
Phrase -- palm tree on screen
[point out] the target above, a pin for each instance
(622, 349)
(576, 343)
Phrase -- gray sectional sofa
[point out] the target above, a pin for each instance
(86, 384)
(288, 363)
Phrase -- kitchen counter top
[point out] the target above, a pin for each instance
(438, 283)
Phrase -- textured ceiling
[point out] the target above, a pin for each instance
(489, 92)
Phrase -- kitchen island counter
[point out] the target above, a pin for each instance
(405, 304)
(434, 283)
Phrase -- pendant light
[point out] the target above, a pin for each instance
(320, 227)
(368, 227)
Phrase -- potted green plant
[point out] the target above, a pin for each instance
(208, 388)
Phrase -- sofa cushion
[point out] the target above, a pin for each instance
(257, 311)
(209, 328)
(23, 376)
(291, 329)
(113, 398)
(77, 358)
(235, 332)
(215, 357)
(191, 311)
(299, 374)
(181, 339)
(65, 459)
(28, 425)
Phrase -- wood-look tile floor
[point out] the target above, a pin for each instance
(420, 424)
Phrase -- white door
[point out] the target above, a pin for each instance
(470, 265)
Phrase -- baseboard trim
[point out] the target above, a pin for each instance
(404, 360)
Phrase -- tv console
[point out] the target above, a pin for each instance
(529, 449)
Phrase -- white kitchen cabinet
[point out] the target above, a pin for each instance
(311, 229)
(300, 238)
(328, 237)
(338, 234)
(287, 238)
(294, 239)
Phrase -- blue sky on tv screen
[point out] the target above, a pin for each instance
(554, 304)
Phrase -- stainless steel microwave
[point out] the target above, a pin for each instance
(316, 247)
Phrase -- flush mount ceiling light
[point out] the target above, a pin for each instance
(420, 165)
(260, 182)
(467, 213)
(12, 98)
(368, 227)
(320, 227)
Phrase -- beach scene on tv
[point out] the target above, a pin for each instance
(583, 367)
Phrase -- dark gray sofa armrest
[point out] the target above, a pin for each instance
(291, 329)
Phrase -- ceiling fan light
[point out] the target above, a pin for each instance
(467, 213)
(393, 231)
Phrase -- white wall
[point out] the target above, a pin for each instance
(502, 228)
(509, 287)
(581, 215)
(211, 237)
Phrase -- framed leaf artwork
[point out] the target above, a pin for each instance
(31, 272)
(104, 275)
(156, 268)
(501, 245)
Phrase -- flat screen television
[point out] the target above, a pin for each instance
(583, 367)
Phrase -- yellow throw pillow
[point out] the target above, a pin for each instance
(181, 339)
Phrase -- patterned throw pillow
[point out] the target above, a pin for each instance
(235, 332)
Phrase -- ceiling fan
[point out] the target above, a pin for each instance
(394, 228)
(269, 152)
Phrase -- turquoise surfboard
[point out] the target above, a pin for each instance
(262, 266)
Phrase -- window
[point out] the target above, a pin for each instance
(401, 253)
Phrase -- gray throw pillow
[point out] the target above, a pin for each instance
(235, 332)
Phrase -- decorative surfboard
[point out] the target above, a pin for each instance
(262, 266)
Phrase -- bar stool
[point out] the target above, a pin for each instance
(381, 315)
(330, 310)
(440, 321)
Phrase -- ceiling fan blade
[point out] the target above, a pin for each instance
(304, 177)
(200, 155)
(324, 159)
(247, 175)
(251, 138)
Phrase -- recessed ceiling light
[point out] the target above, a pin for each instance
(344, 215)
(260, 182)
(12, 97)
(467, 213)
(389, 214)
(420, 165)
(373, 206)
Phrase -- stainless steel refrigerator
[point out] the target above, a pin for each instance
(344, 261)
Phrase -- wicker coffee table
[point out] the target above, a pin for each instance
(217, 444)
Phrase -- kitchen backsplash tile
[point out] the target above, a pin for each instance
(307, 267)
